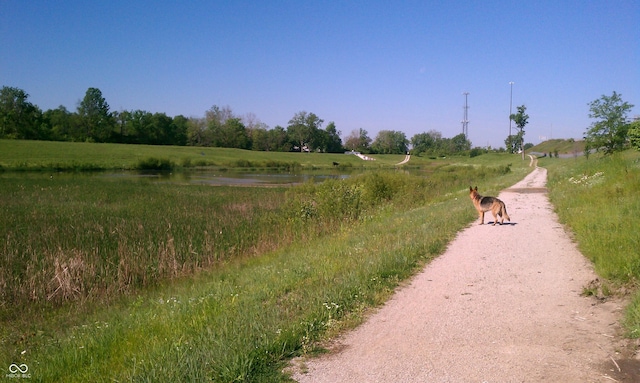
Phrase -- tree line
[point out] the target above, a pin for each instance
(93, 121)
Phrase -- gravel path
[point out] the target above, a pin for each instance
(502, 304)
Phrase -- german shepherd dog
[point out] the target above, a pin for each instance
(484, 204)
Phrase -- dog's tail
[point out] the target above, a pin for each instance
(503, 212)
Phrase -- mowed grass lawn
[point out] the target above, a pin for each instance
(46, 155)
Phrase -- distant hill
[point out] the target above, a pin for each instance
(563, 146)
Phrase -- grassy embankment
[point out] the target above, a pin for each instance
(22, 155)
(560, 147)
(114, 279)
(598, 199)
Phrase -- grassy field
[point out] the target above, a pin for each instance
(113, 279)
(560, 146)
(597, 198)
(124, 280)
(49, 155)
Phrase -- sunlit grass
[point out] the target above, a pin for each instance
(67, 238)
(598, 199)
(560, 146)
(241, 322)
(206, 300)
(81, 156)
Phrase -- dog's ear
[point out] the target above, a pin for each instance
(476, 188)
(470, 189)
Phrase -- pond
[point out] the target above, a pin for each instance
(232, 178)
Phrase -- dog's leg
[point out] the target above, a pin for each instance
(481, 217)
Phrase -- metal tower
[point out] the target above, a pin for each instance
(465, 119)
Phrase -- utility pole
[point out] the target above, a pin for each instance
(465, 118)
(510, 102)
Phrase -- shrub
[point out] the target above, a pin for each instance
(152, 163)
(475, 152)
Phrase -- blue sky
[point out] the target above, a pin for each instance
(375, 65)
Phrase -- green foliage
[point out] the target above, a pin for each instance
(515, 142)
(95, 116)
(475, 152)
(390, 142)
(358, 141)
(609, 132)
(18, 117)
(303, 130)
(432, 143)
(152, 163)
(634, 134)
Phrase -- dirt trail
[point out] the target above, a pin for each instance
(503, 304)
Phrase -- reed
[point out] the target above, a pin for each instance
(69, 238)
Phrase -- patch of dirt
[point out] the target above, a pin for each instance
(502, 304)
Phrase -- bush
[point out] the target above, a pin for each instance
(152, 163)
(475, 152)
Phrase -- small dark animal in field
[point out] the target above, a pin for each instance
(335, 163)
(483, 204)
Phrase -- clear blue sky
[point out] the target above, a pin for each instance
(375, 65)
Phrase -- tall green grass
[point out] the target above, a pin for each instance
(242, 322)
(349, 244)
(598, 199)
(69, 238)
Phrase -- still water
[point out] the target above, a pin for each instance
(235, 178)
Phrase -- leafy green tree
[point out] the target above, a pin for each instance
(513, 143)
(358, 141)
(277, 138)
(95, 116)
(122, 120)
(259, 139)
(61, 124)
(217, 116)
(521, 120)
(390, 142)
(161, 129)
(609, 132)
(425, 142)
(179, 130)
(18, 117)
(197, 133)
(460, 144)
(231, 134)
(139, 127)
(634, 134)
(329, 140)
(303, 130)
